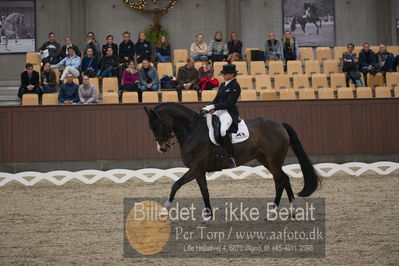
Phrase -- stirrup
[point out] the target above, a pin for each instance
(232, 163)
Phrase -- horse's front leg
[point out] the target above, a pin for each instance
(201, 180)
(317, 26)
(6, 43)
(187, 177)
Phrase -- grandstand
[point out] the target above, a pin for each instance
(314, 74)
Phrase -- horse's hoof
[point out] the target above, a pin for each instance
(163, 212)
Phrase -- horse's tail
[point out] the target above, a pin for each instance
(311, 179)
(293, 24)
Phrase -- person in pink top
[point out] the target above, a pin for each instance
(130, 80)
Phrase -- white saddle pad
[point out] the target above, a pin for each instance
(241, 135)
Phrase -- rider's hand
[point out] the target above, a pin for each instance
(208, 108)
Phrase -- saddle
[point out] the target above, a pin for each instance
(213, 124)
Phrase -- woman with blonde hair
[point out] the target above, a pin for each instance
(199, 48)
(235, 48)
(289, 47)
(163, 50)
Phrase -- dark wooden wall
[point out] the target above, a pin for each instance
(113, 132)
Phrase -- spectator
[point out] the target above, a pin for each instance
(54, 50)
(367, 61)
(384, 60)
(69, 91)
(49, 79)
(68, 43)
(205, 76)
(87, 92)
(289, 49)
(395, 64)
(29, 81)
(90, 65)
(92, 43)
(126, 49)
(143, 48)
(130, 80)
(148, 77)
(272, 48)
(2, 21)
(110, 43)
(187, 77)
(350, 66)
(71, 63)
(217, 50)
(163, 50)
(109, 64)
(234, 47)
(199, 49)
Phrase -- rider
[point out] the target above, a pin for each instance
(306, 7)
(225, 108)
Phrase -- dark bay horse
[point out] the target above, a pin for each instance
(313, 18)
(11, 28)
(268, 143)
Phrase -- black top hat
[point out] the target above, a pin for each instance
(229, 69)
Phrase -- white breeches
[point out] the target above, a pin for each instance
(71, 70)
(225, 121)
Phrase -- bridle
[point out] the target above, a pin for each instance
(171, 135)
(164, 139)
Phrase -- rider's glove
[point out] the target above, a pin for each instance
(208, 108)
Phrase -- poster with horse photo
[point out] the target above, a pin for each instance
(17, 24)
(310, 21)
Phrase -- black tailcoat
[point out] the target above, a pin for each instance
(226, 99)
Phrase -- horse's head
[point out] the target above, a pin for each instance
(21, 19)
(16, 18)
(161, 128)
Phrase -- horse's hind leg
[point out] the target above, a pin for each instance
(275, 170)
(288, 188)
(303, 28)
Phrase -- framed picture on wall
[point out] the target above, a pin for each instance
(17, 24)
(312, 22)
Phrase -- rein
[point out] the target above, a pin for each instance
(173, 134)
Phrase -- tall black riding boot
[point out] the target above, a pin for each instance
(230, 150)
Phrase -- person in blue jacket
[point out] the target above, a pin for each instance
(69, 93)
(90, 64)
(71, 63)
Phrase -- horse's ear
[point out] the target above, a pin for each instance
(147, 110)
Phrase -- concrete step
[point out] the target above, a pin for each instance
(10, 103)
(8, 90)
(13, 97)
(7, 83)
